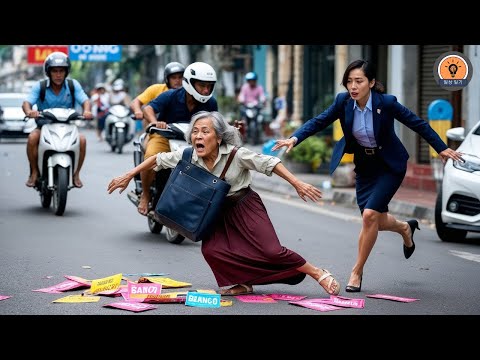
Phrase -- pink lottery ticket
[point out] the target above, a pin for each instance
(391, 297)
(79, 280)
(315, 305)
(255, 299)
(286, 297)
(63, 286)
(343, 302)
(131, 306)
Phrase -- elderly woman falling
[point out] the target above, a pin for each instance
(243, 250)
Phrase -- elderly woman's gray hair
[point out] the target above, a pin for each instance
(227, 133)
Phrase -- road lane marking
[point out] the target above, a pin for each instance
(466, 255)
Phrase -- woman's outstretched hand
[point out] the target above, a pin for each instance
(120, 182)
(305, 190)
(289, 143)
(450, 154)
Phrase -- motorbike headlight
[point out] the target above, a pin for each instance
(471, 163)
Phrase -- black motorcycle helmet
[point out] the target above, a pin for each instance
(56, 59)
(170, 69)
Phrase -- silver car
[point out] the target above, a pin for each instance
(12, 115)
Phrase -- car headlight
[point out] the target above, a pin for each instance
(471, 163)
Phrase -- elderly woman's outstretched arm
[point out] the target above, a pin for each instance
(121, 182)
(304, 189)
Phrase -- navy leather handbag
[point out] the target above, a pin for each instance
(193, 198)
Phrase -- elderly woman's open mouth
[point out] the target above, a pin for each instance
(200, 148)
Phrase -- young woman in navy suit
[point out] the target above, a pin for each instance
(367, 117)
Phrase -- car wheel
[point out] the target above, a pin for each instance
(444, 233)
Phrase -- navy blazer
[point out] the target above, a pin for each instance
(385, 109)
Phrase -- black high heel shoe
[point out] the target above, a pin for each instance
(408, 251)
(351, 288)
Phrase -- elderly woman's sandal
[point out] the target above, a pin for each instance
(240, 289)
(333, 287)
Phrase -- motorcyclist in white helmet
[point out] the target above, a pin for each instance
(57, 93)
(118, 95)
(177, 106)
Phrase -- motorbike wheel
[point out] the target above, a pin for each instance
(155, 227)
(120, 141)
(60, 191)
(252, 132)
(173, 237)
(45, 197)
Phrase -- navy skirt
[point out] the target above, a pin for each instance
(245, 249)
(375, 182)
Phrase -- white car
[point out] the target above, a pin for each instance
(11, 121)
(457, 209)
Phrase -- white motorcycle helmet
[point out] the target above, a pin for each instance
(118, 85)
(199, 71)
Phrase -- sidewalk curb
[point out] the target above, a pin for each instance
(343, 197)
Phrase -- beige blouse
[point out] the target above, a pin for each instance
(238, 174)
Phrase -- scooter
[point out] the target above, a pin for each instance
(254, 122)
(58, 153)
(119, 127)
(175, 133)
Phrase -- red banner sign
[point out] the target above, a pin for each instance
(36, 54)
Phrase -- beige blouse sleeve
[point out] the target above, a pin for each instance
(168, 160)
(251, 160)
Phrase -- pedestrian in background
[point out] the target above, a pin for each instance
(367, 117)
(243, 249)
(119, 95)
(100, 104)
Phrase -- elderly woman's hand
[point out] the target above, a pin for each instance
(120, 182)
(305, 190)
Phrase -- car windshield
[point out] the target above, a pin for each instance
(11, 102)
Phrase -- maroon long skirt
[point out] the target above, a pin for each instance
(245, 249)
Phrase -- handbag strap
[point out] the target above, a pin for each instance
(187, 156)
(230, 158)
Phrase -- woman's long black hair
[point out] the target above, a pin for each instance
(368, 69)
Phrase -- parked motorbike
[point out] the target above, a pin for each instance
(119, 127)
(58, 153)
(253, 117)
(176, 135)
